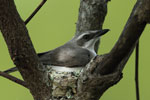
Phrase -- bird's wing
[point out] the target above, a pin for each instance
(68, 56)
(42, 53)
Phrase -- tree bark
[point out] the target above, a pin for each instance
(101, 73)
(22, 52)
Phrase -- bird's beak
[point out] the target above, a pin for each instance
(101, 32)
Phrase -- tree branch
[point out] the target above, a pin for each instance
(137, 72)
(96, 74)
(127, 41)
(14, 79)
(100, 74)
(26, 22)
(35, 11)
(22, 52)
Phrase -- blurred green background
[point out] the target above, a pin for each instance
(55, 24)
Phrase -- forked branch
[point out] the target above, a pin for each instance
(107, 65)
(12, 78)
(101, 73)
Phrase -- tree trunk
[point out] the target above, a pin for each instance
(90, 82)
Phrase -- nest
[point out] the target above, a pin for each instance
(64, 84)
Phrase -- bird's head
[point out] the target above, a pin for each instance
(89, 38)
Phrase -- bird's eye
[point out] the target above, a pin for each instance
(85, 37)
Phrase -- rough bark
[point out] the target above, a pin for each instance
(115, 60)
(127, 41)
(100, 74)
(22, 52)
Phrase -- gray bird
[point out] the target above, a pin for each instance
(75, 53)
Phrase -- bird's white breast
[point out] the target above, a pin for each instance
(65, 69)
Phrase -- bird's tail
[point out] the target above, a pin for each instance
(11, 70)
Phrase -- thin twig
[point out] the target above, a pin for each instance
(137, 71)
(35, 11)
(27, 21)
(14, 79)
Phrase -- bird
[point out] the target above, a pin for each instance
(75, 53)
